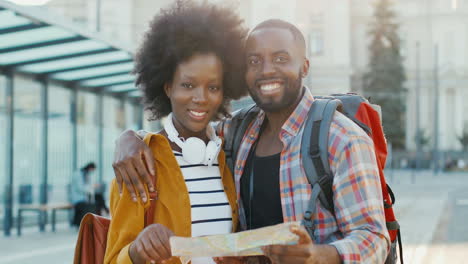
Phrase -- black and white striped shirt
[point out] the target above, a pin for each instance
(210, 209)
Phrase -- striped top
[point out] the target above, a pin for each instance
(357, 229)
(210, 209)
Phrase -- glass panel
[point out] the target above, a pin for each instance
(89, 60)
(51, 51)
(114, 124)
(136, 93)
(109, 80)
(132, 113)
(60, 144)
(3, 132)
(151, 125)
(87, 129)
(9, 19)
(121, 88)
(33, 36)
(96, 71)
(27, 141)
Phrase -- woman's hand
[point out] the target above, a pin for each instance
(133, 164)
(152, 245)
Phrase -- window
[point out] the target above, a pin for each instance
(59, 144)
(87, 129)
(316, 42)
(316, 18)
(114, 123)
(27, 161)
(132, 115)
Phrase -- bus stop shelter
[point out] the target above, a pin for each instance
(50, 50)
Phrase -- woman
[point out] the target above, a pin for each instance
(181, 69)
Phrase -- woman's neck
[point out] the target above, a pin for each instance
(185, 133)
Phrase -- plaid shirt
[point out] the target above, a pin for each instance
(357, 229)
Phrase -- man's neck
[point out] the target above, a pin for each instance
(275, 120)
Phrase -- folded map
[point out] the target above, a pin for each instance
(246, 243)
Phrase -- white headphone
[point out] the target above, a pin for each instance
(194, 150)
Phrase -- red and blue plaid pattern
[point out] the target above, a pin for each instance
(358, 228)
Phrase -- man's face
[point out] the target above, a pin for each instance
(275, 66)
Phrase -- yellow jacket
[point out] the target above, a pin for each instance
(172, 210)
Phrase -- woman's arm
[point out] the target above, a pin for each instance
(127, 239)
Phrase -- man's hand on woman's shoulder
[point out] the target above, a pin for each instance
(134, 164)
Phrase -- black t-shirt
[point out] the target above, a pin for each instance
(264, 207)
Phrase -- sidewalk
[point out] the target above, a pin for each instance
(36, 247)
(424, 209)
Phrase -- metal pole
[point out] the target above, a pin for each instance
(436, 110)
(100, 145)
(44, 148)
(8, 220)
(73, 120)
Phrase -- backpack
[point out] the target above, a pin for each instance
(92, 237)
(314, 152)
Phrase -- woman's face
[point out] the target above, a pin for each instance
(196, 93)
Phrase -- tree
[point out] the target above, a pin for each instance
(464, 139)
(384, 79)
(422, 137)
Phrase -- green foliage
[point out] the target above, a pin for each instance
(383, 82)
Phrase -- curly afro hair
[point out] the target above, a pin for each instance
(176, 34)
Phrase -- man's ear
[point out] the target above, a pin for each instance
(167, 89)
(305, 68)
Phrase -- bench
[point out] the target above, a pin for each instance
(41, 209)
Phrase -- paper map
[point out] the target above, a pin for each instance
(247, 243)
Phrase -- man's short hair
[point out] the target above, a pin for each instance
(90, 165)
(278, 23)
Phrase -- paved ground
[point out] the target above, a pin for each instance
(35, 247)
(432, 210)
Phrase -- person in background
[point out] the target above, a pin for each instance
(81, 190)
(99, 200)
(189, 67)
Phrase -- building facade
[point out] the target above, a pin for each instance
(336, 34)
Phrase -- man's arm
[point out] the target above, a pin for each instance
(357, 195)
(133, 164)
(358, 206)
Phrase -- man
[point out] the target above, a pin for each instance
(81, 189)
(271, 183)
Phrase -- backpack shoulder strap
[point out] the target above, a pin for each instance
(232, 139)
(314, 153)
